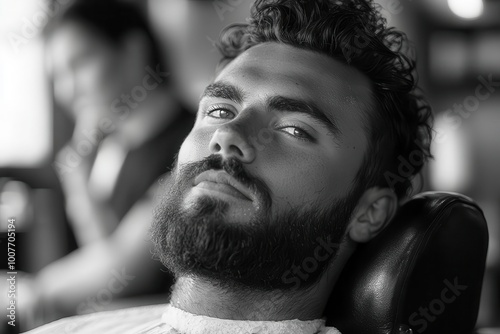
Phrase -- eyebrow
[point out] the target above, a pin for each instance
(224, 90)
(228, 91)
(286, 104)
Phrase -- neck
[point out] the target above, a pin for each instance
(197, 295)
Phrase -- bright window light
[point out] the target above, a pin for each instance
(25, 113)
(467, 9)
(449, 170)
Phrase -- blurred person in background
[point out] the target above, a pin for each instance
(109, 76)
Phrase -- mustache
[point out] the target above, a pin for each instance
(234, 168)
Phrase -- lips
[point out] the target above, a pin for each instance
(223, 182)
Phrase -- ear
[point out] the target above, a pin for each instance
(374, 211)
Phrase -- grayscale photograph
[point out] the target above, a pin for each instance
(250, 166)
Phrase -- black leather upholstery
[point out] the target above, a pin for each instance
(424, 272)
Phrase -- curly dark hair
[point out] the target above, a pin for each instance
(355, 33)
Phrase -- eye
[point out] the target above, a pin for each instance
(220, 113)
(297, 132)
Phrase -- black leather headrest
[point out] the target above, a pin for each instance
(424, 272)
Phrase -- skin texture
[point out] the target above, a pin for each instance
(300, 159)
(298, 168)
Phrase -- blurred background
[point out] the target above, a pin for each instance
(95, 101)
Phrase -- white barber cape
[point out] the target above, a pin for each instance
(166, 319)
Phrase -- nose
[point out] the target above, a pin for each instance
(229, 142)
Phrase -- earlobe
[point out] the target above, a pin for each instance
(375, 210)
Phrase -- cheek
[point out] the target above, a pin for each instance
(195, 146)
(309, 178)
(90, 78)
(101, 74)
(298, 179)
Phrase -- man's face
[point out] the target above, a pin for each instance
(290, 126)
(260, 110)
(87, 70)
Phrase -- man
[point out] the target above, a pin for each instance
(294, 155)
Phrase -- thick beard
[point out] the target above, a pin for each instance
(199, 240)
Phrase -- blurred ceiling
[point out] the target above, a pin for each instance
(441, 14)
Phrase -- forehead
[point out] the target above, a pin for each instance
(278, 69)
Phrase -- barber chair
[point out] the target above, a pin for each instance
(422, 274)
